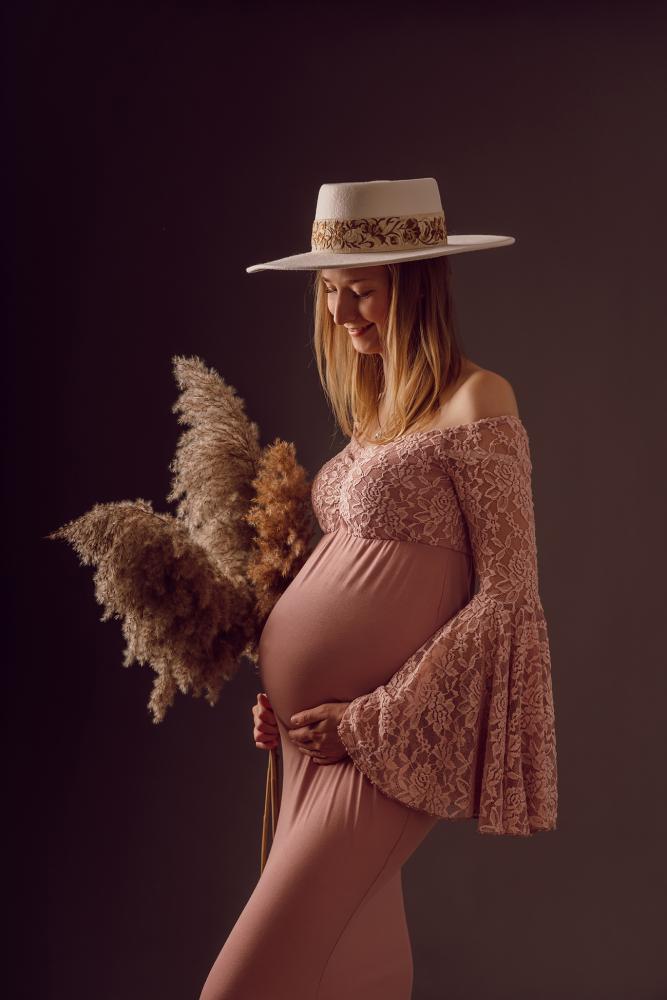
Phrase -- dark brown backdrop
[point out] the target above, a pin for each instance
(159, 150)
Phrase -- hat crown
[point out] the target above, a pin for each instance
(373, 199)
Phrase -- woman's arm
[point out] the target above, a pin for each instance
(466, 726)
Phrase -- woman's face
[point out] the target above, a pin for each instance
(358, 299)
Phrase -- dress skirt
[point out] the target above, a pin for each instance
(326, 919)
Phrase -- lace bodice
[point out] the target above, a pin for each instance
(401, 490)
(466, 726)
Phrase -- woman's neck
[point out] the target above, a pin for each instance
(467, 368)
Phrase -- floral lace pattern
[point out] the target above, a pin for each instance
(326, 490)
(396, 232)
(403, 492)
(466, 727)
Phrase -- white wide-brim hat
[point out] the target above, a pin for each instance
(377, 222)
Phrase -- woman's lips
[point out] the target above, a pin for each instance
(361, 329)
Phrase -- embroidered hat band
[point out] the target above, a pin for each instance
(393, 232)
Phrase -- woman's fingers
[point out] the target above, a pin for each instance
(266, 742)
(262, 726)
(263, 709)
(265, 731)
(265, 739)
(264, 713)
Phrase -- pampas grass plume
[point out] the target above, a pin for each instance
(216, 459)
(179, 612)
(282, 517)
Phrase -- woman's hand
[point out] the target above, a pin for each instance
(265, 732)
(315, 732)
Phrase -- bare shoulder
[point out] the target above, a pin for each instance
(486, 394)
(479, 393)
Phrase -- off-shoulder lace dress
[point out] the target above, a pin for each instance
(465, 727)
(419, 605)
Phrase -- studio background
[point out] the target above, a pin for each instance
(157, 151)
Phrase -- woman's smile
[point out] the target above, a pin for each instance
(358, 299)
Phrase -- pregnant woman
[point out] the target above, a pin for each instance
(405, 671)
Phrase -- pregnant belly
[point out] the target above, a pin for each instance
(355, 612)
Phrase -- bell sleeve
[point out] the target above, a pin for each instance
(466, 727)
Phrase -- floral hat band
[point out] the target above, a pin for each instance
(376, 222)
(393, 232)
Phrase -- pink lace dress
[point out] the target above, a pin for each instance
(419, 605)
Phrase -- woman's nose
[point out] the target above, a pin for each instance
(344, 311)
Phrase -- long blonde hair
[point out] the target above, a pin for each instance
(422, 354)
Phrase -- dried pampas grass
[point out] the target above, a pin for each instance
(282, 516)
(179, 612)
(194, 590)
(216, 459)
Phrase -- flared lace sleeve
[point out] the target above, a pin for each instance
(465, 728)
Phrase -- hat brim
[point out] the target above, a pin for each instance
(316, 259)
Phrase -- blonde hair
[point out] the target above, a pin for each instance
(422, 354)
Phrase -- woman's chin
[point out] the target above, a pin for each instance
(368, 348)
(366, 342)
